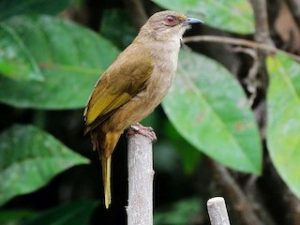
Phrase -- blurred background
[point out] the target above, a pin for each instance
(229, 127)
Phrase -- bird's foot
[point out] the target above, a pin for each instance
(140, 129)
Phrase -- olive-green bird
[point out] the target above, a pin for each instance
(131, 88)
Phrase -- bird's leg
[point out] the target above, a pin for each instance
(138, 128)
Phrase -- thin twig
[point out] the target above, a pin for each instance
(255, 196)
(230, 40)
(262, 33)
(250, 80)
(238, 41)
(243, 209)
(140, 181)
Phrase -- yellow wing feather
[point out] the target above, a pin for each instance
(122, 81)
(105, 104)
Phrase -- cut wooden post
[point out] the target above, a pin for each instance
(140, 181)
(217, 211)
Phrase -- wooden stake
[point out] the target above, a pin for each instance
(140, 181)
(217, 211)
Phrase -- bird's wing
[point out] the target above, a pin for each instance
(125, 78)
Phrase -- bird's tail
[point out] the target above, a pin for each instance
(105, 144)
(106, 173)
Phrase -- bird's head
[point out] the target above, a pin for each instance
(167, 25)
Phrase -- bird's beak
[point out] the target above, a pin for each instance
(190, 21)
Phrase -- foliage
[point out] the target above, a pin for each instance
(29, 158)
(49, 63)
(77, 213)
(230, 15)
(195, 107)
(10, 8)
(70, 63)
(284, 118)
(125, 33)
(178, 213)
(186, 152)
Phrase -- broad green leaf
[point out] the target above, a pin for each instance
(209, 109)
(70, 58)
(283, 129)
(231, 15)
(29, 159)
(76, 214)
(16, 62)
(15, 7)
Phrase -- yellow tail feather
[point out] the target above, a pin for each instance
(106, 171)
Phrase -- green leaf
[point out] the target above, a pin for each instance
(75, 214)
(13, 216)
(283, 129)
(29, 159)
(209, 109)
(231, 15)
(15, 7)
(181, 212)
(70, 58)
(16, 62)
(189, 156)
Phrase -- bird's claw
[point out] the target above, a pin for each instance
(145, 131)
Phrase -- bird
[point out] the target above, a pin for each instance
(134, 85)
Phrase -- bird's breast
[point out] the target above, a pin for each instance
(165, 56)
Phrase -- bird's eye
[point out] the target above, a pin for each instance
(170, 21)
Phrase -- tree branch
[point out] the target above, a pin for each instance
(242, 207)
(140, 180)
(255, 196)
(262, 33)
(286, 202)
(230, 40)
(238, 41)
(294, 6)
